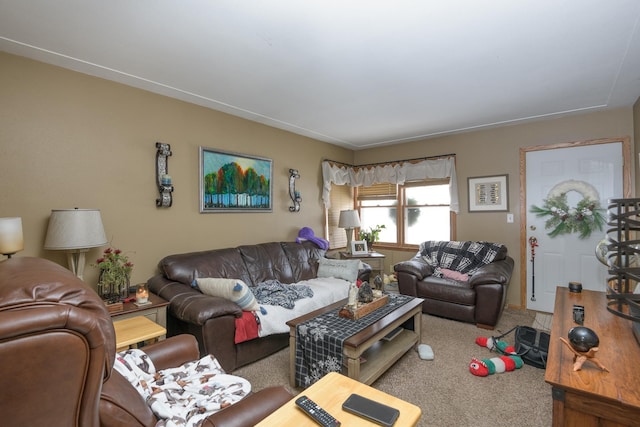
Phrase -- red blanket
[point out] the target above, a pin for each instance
(246, 327)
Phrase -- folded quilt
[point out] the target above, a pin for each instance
(183, 396)
(463, 257)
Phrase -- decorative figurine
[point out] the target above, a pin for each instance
(365, 293)
(353, 295)
(584, 344)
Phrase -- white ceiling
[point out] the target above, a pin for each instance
(357, 73)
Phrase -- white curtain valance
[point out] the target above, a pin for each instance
(340, 174)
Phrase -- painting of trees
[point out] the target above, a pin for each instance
(234, 182)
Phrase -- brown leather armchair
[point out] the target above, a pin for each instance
(479, 300)
(57, 347)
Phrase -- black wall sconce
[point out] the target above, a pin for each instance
(293, 193)
(165, 187)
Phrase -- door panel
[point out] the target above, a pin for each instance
(565, 257)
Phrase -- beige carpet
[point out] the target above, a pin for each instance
(445, 390)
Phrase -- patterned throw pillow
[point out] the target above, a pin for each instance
(346, 269)
(232, 289)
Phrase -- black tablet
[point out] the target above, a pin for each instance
(377, 412)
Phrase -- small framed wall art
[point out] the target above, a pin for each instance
(489, 193)
(232, 182)
(359, 247)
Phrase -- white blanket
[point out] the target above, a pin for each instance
(182, 396)
(326, 290)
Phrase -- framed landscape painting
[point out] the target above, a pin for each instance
(232, 182)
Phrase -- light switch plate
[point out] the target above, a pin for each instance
(510, 218)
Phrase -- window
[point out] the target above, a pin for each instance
(412, 213)
(341, 199)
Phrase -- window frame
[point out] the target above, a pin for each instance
(401, 206)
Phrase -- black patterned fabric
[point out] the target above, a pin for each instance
(272, 292)
(319, 340)
(463, 257)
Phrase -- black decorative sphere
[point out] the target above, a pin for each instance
(583, 339)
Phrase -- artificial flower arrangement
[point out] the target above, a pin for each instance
(115, 273)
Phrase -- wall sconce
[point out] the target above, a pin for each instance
(11, 239)
(293, 193)
(165, 186)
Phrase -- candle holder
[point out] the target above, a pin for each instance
(165, 186)
(293, 193)
(142, 294)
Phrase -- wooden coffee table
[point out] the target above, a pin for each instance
(380, 355)
(330, 392)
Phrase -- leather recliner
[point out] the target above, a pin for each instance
(57, 347)
(479, 300)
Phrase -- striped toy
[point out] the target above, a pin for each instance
(507, 362)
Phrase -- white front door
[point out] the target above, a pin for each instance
(565, 258)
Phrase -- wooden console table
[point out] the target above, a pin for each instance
(592, 397)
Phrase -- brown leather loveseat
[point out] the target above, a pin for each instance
(478, 298)
(211, 319)
(57, 347)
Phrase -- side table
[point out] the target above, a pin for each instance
(374, 259)
(134, 330)
(330, 392)
(156, 311)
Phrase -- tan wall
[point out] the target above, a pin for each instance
(70, 140)
(636, 131)
(495, 152)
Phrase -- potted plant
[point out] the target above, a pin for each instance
(372, 235)
(115, 274)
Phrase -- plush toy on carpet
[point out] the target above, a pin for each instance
(507, 362)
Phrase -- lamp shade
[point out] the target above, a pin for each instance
(11, 239)
(349, 219)
(75, 229)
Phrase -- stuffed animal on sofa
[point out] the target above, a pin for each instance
(507, 362)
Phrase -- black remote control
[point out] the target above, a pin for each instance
(318, 414)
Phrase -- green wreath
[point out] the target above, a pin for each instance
(584, 218)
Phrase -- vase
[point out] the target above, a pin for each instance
(113, 290)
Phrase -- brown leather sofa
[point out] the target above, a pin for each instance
(212, 319)
(57, 347)
(479, 300)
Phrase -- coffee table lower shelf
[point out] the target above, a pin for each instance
(380, 355)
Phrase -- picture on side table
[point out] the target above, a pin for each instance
(488, 193)
(232, 182)
(359, 247)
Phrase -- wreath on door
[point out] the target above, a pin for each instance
(563, 219)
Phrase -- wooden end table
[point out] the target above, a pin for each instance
(156, 311)
(330, 392)
(134, 330)
(374, 259)
(368, 343)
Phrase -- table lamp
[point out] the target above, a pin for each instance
(75, 231)
(349, 220)
(11, 239)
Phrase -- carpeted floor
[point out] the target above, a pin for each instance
(445, 390)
